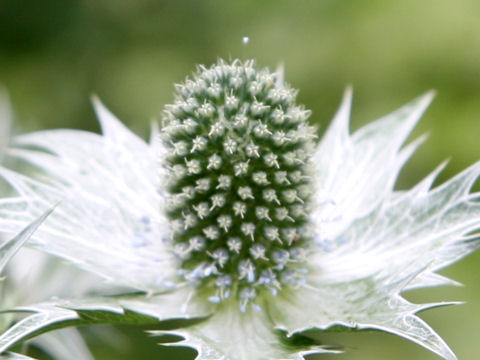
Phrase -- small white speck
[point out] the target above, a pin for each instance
(245, 40)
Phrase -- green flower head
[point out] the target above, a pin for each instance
(238, 180)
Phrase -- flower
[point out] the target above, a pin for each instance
(234, 216)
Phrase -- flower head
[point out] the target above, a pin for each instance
(238, 182)
(234, 215)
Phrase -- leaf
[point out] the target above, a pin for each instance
(126, 309)
(372, 303)
(233, 335)
(10, 247)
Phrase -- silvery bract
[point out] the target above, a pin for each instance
(234, 214)
(30, 275)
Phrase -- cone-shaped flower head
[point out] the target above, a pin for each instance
(238, 179)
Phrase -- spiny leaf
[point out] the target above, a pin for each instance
(159, 309)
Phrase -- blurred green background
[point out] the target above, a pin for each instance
(55, 53)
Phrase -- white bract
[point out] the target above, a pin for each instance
(232, 213)
(33, 276)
